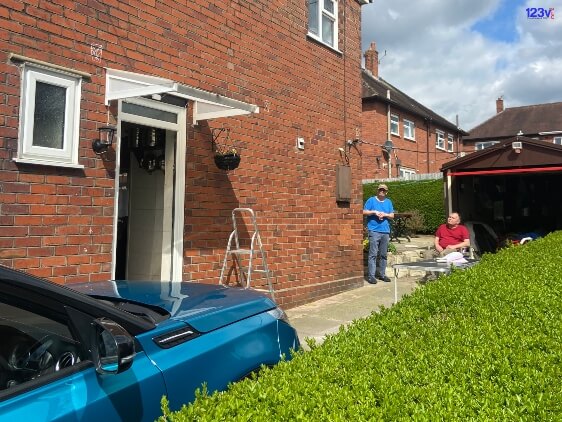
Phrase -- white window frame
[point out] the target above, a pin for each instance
(440, 140)
(450, 142)
(32, 154)
(478, 146)
(407, 173)
(395, 124)
(557, 140)
(323, 12)
(409, 130)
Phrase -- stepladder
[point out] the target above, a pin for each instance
(245, 252)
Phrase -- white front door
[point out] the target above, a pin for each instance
(149, 201)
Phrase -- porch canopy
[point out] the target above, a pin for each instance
(121, 84)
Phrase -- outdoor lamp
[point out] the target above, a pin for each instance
(105, 140)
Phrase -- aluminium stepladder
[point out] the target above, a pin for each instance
(256, 248)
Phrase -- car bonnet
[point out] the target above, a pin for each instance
(205, 307)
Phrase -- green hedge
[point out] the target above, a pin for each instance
(480, 344)
(426, 196)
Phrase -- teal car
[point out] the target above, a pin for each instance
(110, 350)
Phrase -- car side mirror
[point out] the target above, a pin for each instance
(113, 348)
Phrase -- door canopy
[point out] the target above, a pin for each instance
(121, 84)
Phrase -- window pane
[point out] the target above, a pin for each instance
(329, 6)
(313, 13)
(150, 112)
(48, 127)
(327, 30)
(394, 124)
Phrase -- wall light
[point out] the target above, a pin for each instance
(105, 140)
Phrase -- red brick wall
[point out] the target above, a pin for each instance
(412, 154)
(58, 223)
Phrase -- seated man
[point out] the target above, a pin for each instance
(451, 237)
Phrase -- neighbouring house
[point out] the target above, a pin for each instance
(111, 114)
(539, 121)
(421, 139)
(513, 186)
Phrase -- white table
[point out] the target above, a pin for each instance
(429, 266)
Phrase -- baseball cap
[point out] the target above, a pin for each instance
(382, 186)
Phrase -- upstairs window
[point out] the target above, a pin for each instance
(439, 140)
(394, 122)
(49, 117)
(557, 140)
(409, 130)
(323, 21)
(450, 143)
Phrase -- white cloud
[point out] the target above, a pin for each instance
(433, 55)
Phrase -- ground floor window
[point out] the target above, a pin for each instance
(483, 145)
(407, 173)
(49, 117)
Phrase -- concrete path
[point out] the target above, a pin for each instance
(325, 316)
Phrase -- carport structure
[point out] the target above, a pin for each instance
(514, 186)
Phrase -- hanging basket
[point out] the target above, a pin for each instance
(228, 161)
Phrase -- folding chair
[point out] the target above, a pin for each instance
(483, 239)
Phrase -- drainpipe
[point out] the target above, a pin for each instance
(388, 132)
(428, 126)
(457, 135)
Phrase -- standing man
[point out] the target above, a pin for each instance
(452, 236)
(379, 210)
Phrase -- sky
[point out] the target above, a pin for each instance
(458, 56)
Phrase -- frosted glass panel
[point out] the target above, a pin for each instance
(150, 112)
(48, 128)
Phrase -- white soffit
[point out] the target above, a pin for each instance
(120, 84)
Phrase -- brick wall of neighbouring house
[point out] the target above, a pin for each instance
(412, 154)
(58, 223)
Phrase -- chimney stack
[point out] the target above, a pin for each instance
(372, 60)
(499, 105)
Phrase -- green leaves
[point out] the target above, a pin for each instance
(425, 196)
(481, 344)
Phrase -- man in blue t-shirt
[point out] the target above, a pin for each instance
(378, 210)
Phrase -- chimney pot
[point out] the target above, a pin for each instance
(372, 60)
(499, 105)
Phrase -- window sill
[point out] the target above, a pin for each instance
(410, 139)
(47, 163)
(395, 134)
(441, 149)
(319, 41)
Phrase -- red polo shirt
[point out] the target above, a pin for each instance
(448, 236)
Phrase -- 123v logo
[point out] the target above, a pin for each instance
(540, 13)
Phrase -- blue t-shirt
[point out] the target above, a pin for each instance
(375, 223)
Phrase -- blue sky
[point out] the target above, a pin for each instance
(501, 24)
(458, 56)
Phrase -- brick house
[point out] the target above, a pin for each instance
(278, 82)
(538, 121)
(422, 140)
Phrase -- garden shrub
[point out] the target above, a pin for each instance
(424, 196)
(479, 344)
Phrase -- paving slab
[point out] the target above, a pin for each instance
(317, 319)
